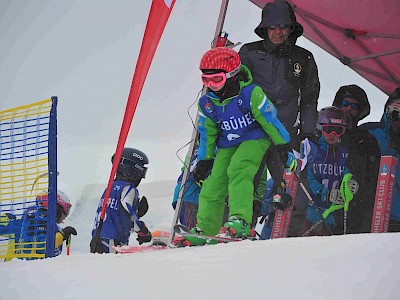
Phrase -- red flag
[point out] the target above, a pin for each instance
(158, 17)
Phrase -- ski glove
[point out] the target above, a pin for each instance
(144, 235)
(334, 196)
(143, 207)
(67, 231)
(287, 157)
(202, 170)
(280, 199)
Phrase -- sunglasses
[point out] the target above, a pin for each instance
(280, 26)
(333, 129)
(217, 79)
(354, 106)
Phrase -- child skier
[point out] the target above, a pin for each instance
(34, 224)
(326, 171)
(124, 207)
(236, 117)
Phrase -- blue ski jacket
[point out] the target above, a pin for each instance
(325, 172)
(121, 213)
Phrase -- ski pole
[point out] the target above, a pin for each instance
(322, 220)
(69, 245)
(323, 217)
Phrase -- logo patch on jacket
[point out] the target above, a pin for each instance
(209, 107)
(297, 68)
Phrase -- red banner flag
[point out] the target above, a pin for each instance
(159, 13)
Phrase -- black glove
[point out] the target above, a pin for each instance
(143, 207)
(280, 199)
(283, 152)
(67, 231)
(144, 235)
(202, 170)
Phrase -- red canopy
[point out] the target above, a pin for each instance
(363, 34)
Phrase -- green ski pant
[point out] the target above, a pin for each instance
(232, 175)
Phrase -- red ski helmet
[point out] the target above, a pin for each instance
(221, 59)
(62, 200)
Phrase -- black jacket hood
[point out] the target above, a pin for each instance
(355, 92)
(279, 12)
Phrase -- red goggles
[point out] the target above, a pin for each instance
(217, 79)
(333, 129)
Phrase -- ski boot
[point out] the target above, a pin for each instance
(237, 228)
(196, 241)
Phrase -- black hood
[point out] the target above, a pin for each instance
(355, 92)
(279, 12)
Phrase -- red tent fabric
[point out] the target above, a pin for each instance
(363, 34)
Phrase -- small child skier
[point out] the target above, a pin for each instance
(326, 172)
(237, 118)
(33, 226)
(124, 207)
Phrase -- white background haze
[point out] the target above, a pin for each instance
(85, 53)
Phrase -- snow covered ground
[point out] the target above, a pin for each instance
(364, 266)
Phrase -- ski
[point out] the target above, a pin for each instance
(159, 241)
(384, 194)
(280, 228)
(184, 231)
(137, 249)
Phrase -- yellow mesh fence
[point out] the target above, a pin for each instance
(24, 147)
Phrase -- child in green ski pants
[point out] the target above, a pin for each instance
(237, 119)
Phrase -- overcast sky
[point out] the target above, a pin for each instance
(85, 53)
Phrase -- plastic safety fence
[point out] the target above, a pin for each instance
(28, 167)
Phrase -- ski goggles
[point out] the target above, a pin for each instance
(333, 129)
(354, 106)
(280, 26)
(217, 79)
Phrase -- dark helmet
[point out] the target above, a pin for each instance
(132, 164)
(330, 115)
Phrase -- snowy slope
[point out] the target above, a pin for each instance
(342, 267)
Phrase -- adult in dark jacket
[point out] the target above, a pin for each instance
(288, 75)
(387, 132)
(364, 156)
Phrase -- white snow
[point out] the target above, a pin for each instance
(85, 53)
(364, 266)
